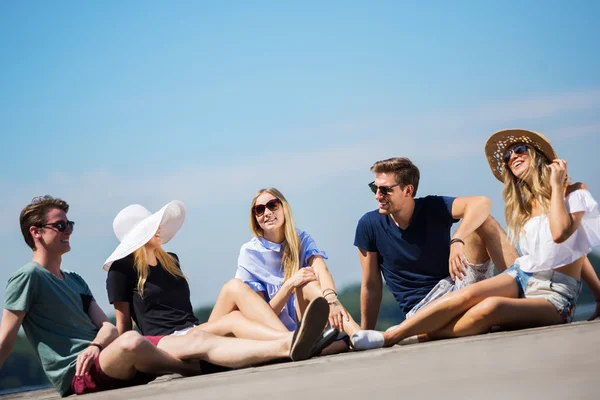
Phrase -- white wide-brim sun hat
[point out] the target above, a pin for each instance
(134, 226)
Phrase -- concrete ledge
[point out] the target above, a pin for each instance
(550, 363)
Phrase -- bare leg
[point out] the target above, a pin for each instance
(236, 295)
(443, 311)
(336, 347)
(132, 352)
(496, 242)
(224, 351)
(501, 311)
(311, 291)
(236, 324)
(305, 294)
(475, 250)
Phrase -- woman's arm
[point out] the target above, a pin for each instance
(337, 312)
(562, 224)
(299, 279)
(324, 276)
(123, 316)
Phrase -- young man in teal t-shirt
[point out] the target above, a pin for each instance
(79, 349)
(76, 344)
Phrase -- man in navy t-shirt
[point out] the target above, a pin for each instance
(407, 240)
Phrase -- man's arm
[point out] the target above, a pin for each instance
(370, 289)
(11, 322)
(123, 316)
(472, 211)
(107, 332)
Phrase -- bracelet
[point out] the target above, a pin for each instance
(327, 292)
(456, 240)
(97, 345)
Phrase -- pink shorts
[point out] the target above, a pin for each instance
(155, 339)
(97, 380)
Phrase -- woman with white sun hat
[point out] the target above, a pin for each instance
(146, 284)
(554, 221)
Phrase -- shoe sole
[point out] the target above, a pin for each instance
(309, 329)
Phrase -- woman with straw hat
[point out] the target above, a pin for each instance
(146, 284)
(555, 222)
(284, 266)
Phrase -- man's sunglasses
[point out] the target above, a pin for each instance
(383, 189)
(272, 205)
(520, 149)
(60, 226)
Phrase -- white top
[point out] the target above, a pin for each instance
(259, 265)
(541, 253)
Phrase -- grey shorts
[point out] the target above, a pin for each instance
(475, 273)
(559, 289)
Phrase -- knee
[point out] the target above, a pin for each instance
(233, 286)
(131, 342)
(465, 296)
(198, 335)
(487, 309)
(232, 318)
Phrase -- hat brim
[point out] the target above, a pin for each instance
(498, 143)
(170, 218)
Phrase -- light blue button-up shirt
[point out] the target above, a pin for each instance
(259, 266)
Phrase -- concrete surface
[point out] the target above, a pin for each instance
(545, 363)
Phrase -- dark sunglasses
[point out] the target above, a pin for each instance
(520, 149)
(383, 189)
(60, 226)
(272, 205)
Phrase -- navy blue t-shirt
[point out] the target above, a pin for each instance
(415, 259)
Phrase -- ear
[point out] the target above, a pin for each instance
(409, 190)
(35, 232)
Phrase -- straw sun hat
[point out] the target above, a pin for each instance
(496, 146)
(134, 226)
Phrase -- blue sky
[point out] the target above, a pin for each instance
(108, 103)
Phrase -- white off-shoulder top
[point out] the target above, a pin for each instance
(541, 253)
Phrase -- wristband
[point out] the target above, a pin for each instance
(327, 292)
(456, 240)
(97, 345)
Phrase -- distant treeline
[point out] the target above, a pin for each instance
(22, 368)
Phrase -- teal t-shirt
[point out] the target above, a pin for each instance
(56, 321)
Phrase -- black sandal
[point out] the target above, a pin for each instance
(327, 337)
(309, 329)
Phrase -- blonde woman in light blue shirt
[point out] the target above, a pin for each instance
(284, 267)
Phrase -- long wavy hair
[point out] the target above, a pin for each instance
(520, 196)
(140, 264)
(290, 261)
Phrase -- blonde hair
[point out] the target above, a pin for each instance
(140, 264)
(290, 261)
(520, 196)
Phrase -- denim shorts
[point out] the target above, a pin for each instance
(559, 289)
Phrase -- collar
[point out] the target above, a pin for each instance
(270, 245)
